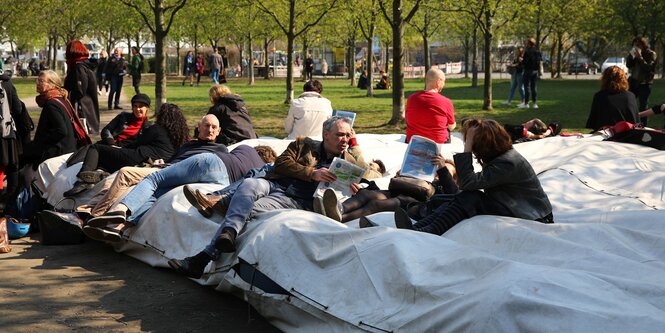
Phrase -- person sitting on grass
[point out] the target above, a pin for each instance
(510, 186)
(384, 82)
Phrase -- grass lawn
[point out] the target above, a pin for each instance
(567, 101)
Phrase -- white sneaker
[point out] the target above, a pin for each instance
(506, 103)
(522, 105)
(535, 105)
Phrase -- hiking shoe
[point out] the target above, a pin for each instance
(226, 242)
(202, 206)
(331, 205)
(92, 177)
(192, 267)
(79, 187)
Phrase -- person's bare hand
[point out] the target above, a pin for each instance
(468, 140)
(323, 175)
(355, 187)
(439, 161)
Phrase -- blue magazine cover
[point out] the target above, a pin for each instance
(417, 159)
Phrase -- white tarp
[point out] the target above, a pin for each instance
(599, 268)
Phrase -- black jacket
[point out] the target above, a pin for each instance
(81, 84)
(54, 135)
(235, 122)
(608, 109)
(531, 60)
(153, 143)
(117, 125)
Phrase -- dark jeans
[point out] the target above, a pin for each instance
(109, 158)
(116, 88)
(641, 92)
(136, 82)
(529, 81)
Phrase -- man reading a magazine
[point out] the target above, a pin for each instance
(428, 113)
(291, 184)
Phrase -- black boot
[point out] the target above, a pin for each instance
(226, 242)
(191, 266)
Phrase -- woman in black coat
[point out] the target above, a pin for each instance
(234, 120)
(81, 84)
(158, 141)
(613, 103)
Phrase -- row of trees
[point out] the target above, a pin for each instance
(591, 26)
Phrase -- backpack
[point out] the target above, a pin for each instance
(7, 127)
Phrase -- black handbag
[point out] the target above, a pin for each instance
(61, 226)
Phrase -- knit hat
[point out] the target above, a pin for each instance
(141, 98)
(76, 49)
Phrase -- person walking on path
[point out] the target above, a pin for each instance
(215, 62)
(115, 70)
(188, 68)
(81, 84)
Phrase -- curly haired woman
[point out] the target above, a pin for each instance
(613, 103)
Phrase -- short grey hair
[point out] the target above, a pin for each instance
(328, 124)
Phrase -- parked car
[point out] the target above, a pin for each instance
(614, 61)
(582, 65)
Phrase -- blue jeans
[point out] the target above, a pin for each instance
(516, 81)
(250, 197)
(214, 74)
(530, 78)
(116, 88)
(200, 168)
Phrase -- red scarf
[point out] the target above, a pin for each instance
(71, 62)
(47, 96)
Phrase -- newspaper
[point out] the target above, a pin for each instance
(417, 159)
(347, 114)
(347, 173)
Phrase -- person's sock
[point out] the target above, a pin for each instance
(439, 222)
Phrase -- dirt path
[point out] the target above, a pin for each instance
(91, 288)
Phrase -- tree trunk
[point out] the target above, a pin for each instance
(370, 64)
(474, 60)
(428, 62)
(559, 54)
(397, 73)
(266, 65)
(250, 63)
(160, 56)
(289, 68)
(290, 40)
(487, 93)
(303, 56)
(466, 57)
